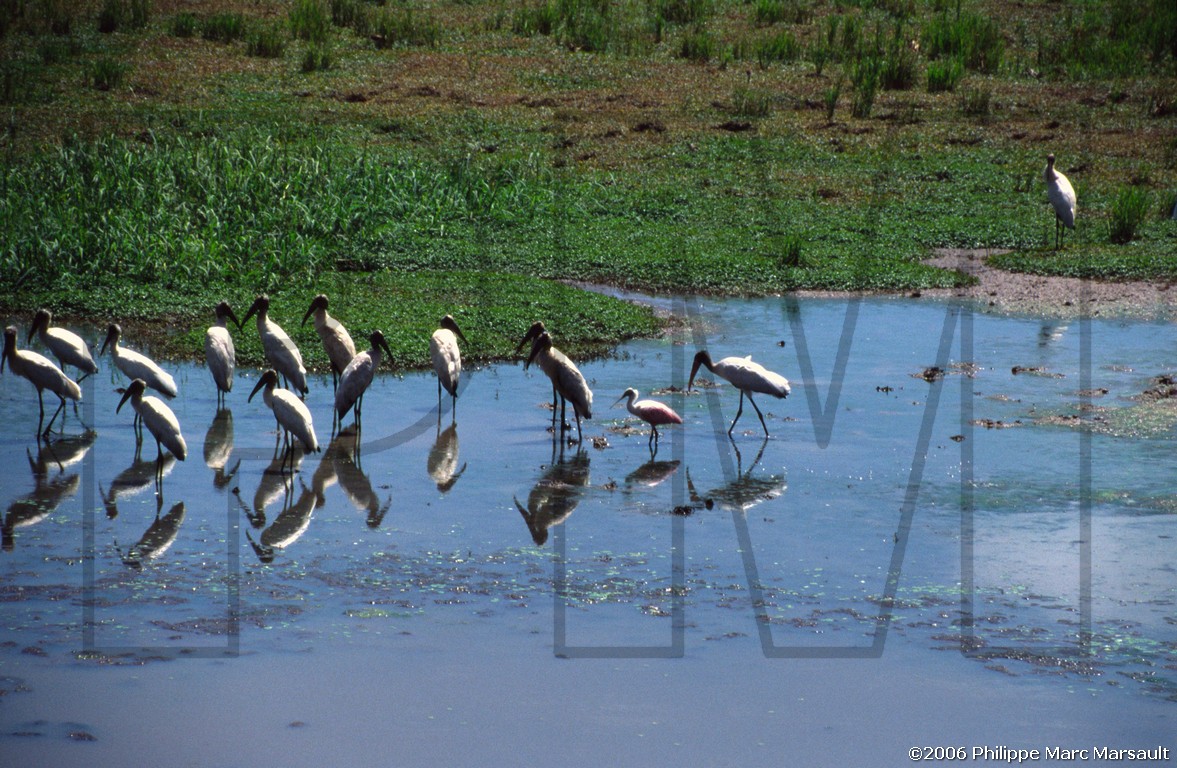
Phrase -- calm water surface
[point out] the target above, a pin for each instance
(903, 563)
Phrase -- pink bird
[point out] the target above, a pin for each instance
(650, 411)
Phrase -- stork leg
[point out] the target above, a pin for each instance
(758, 413)
(61, 410)
(739, 411)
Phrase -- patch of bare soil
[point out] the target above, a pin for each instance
(1016, 293)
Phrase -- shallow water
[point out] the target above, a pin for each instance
(884, 572)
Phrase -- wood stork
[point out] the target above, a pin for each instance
(447, 360)
(68, 347)
(280, 350)
(532, 334)
(42, 373)
(1062, 197)
(161, 422)
(652, 412)
(746, 376)
(358, 376)
(290, 412)
(138, 366)
(566, 378)
(219, 351)
(337, 341)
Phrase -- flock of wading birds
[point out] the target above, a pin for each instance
(352, 371)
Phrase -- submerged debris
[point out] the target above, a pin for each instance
(1035, 370)
(996, 423)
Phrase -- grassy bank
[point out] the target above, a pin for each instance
(161, 155)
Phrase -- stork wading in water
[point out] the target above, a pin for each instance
(566, 378)
(291, 413)
(280, 350)
(68, 347)
(746, 376)
(532, 333)
(219, 352)
(447, 359)
(160, 420)
(1062, 199)
(336, 340)
(135, 365)
(358, 376)
(42, 374)
(652, 412)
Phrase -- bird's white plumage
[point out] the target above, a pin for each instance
(357, 377)
(1061, 194)
(294, 416)
(337, 342)
(135, 365)
(748, 376)
(447, 360)
(40, 372)
(159, 419)
(566, 377)
(220, 355)
(68, 347)
(279, 349)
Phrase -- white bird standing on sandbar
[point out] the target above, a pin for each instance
(290, 411)
(746, 376)
(138, 366)
(1062, 197)
(68, 347)
(446, 357)
(280, 350)
(219, 351)
(161, 422)
(336, 340)
(42, 373)
(358, 376)
(566, 378)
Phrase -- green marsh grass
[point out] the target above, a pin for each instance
(310, 20)
(266, 41)
(107, 73)
(184, 25)
(1129, 211)
(223, 27)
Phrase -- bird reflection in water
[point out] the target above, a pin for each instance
(51, 483)
(141, 475)
(650, 474)
(742, 493)
(290, 524)
(218, 448)
(556, 494)
(341, 464)
(158, 537)
(276, 481)
(443, 458)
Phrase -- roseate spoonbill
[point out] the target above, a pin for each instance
(337, 341)
(447, 360)
(566, 378)
(68, 347)
(652, 412)
(42, 373)
(358, 376)
(280, 350)
(746, 376)
(138, 366)
(219, 351)
(290, 411)
(161, 422)
(1062, 197)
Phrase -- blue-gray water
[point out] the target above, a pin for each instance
(884, 572)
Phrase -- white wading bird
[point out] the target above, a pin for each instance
(746, 376)
(1062, 197)
(219, 350)
(447, 360)
(357, 376)
(290, 412)
(137, 366)
(566, 378)
(161, 422)
(280, 350)
(68, 347)
(42, 373)
(337, 341)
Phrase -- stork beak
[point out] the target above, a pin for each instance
(532, 332)
(32, 330)
(384, 346)
(126, 397)
(310, 311)
(252, 309)
(701, 358)
(233, 317)
(260, 383)
(110, 334)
